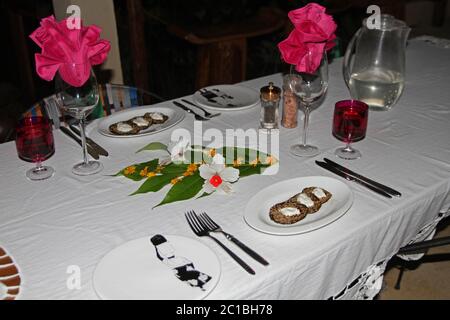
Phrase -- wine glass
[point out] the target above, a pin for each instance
(79, 102)
(35, 143)
(309, 88)
(350, 125)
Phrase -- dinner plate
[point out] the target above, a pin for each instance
(257, 210)
(226, 97)
(133, 270)
(175, 116)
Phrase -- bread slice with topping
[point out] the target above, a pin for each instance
(124, 128)
(288, 213)
(318, 194)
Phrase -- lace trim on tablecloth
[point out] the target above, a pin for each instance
(366, 286)
(369, 284)
(438, 42)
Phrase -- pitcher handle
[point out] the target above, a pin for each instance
(348, 53)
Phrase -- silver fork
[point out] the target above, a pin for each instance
(214, 227)
(207, 114)
(202, 231)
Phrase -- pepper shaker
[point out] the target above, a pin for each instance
(270, 103)
(290, 106)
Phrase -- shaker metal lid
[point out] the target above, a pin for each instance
(270, 92)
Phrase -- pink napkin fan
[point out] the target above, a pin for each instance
(312, 36)
(71, 51)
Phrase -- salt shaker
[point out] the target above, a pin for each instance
(270, 102)
(290, 107)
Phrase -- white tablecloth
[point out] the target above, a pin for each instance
(70, 220)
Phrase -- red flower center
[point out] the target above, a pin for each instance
(216, 181)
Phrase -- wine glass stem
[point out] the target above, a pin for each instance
(83, 139)
(39, 167)
(306, 124)
(348, 148)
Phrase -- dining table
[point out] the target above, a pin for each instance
(49, 226)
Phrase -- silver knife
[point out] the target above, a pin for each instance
(361, 177)
(196, 115)
(90, 149)
(334, 170)
(101, 151)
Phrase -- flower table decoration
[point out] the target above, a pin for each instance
(195, 171)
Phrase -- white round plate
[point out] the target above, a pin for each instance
(133, 272)
(175, 116)
(243, 98)
(257, 210)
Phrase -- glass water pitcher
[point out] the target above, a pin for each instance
(374, 63)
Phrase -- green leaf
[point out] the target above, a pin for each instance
(186, 189)
(175, 168)
(154, 146)
(155, 184)
(204, 195)
(249, 170)
(136, 175)
(244, 154)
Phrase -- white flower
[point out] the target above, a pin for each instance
(217, 176)
(178, 149)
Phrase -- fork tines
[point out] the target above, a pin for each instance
(193, 222)
(208, 221)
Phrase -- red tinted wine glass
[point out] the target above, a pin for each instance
(350, 125)
(34, 141)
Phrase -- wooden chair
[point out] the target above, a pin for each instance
(222, 49)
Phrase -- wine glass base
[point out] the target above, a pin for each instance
(87, 169)
(346, 154)
(43, 173)
(304, 151)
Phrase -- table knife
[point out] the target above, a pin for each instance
(197, 116)
(246, 249)
(361, 177)
(90, 150)
(342, 174)
(100, 150)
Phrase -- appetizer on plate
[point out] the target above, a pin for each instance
(141, 122)
(137, 124)
(288, 213)
(156, 117)
(309, 201)
(124, 128)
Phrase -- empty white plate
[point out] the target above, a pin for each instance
(134, 272)
(227, 97)
(257, 210)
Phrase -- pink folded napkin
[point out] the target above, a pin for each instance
(312, 36)
(70, 51)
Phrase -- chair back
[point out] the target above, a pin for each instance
(113, 98)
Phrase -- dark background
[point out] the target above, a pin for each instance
(171, 61)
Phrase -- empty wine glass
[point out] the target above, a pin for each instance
(309, 88)
(79, 102)
(34, 142)
(350, 125)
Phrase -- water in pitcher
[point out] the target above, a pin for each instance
(379, 88)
